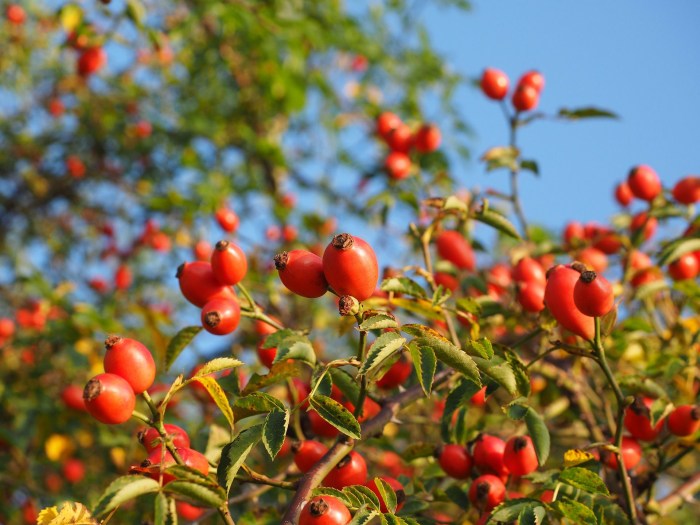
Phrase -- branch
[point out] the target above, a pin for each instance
(679, 496)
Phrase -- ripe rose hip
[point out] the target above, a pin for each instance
(453, 247)
(559, 298)
(130, 360)
(631, 452)
(266, 355)
(199, 285)
(427, 139)
(398, 165)
(227, 219)
(187, 511)
(221, 316)
(594, 258)
(324, 510)
(528, 269)
(386, 122)
(320, 427)
(687, 190)
(644, 182)
(446, 280)
(649, 224)
(351, 470)
(91, 61)
(7, 327)
(151, 440)
(455, 461)
(109, 399)
(488, 455)
(494, 83)
(525, 98)
(228, 263)
(394, 484)
(532, 78)
(400, 139)
(396, 375)
(684, 420)
(350, 266)
(638, 420)
(479, 399)
(159, 459)
(302, 273)
(685, 267)
(72, 397)
(574, 234)
(487, 492)
(623, 194)
(519, 456)
(308, 453)
(15, 14)
(593, 294)
(202, 251)
(123, 277)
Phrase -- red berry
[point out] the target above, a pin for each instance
(453, 247)
(396, 375)
(302, 273)
(488, 455)
(351, 267)
(321, 427)
(427, 139)
(199, 285)
(72, 397)
(479, 399)
(263, 328)
(533, 79)
(266, 355)
(494, 83)
(644, 182)
(684, 420)
(351, 470)
(228, 263)
(203, 251)
(227, 219)
(109, 398)
(398, 165)
(73, 470)
(455, 461)
(151, 440)
(75, 167)
(394, 484)
(687, 190)
(641, 221)
(91, 60)
(190, 457)
(631, 454)
(623, 194)
(574, 233)
(593, 294)
(525, 98)
(559, 298)
(593, 258)
(487, 492)
(638, 420)
(386, 122)
(15, 14)
(685, 267)
(123, 277)
(400, 139)
(308, 453)
(221, 316)
(324, 510)
(519, 456)
(187, 511)
(446, 280)
(7, 327)
(130, 360)
(529, 270)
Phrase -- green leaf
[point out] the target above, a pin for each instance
(673, 250)
(363, 494)
(363, 516)
(217, 394)
(403, 285)
(346, 383)
(387, 494)
(178, 343)
(199, 494)
(275, 339)
(382, 348)
(501, 157)
(274, 431)
(510, 375)
(497, 221)
(164, 512)
(458, 496)
(588, 112)
(482, 347)
(136, 11)
(418, 450)
(299, 349)
(583, 479)
(218, 364)
(530, 165)
(259, 402)
(185, 473)
(279, 373)
(575, 511)
(234, 455)
(378, 322)
(425, 363)
(349, 502)
(532, 515)
(122, 490)
(457, 397)
(444, 350)
(539, 433)
(336, 414)
(510, 510)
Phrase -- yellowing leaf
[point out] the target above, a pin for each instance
(70, 513)
(71, 16)
(47, 515)
(575, 457)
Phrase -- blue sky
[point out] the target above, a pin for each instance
(638, 59)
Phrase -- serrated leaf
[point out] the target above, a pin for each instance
(67, 513)
(378, 322)
(387, 494)
(300, 350)
(457, 397)
(583, 479)
(217, 394)
(482, 347)
(185, 473)
(587, 112)
(218, 364)
(539, 433)
(275, 339)
(274, 431)
(382, 348)
(573, 457)
(575, 511)
(234, 455)
(532, 515)
(363, 494)
(122, 490)
(444, 350)
(259, 402)
(277, 374)
(336, 414)
(164, 512)
(497, 221)
(338, 494)
(363, 516)
(500, 371)
(207, 495)
(425, 363)
(178, 343)
(321, 383)
(510, 510)
(403, 285)
(673, 250)
(346, 383)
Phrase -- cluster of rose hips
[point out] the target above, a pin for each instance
(525, 97)
(129, 367)
(401, 139)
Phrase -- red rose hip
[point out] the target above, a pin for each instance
(593, 294)
(130, 360)
(228, 263)
(302, 273)
(494, 83)
(109, 399)
(350, 266)
(221, 316)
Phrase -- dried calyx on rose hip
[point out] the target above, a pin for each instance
(593, 294)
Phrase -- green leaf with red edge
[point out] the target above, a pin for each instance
(587, 112)
(381, 349)
(217, 395)
(234, 454)
(274, 431)
(197, 493)
(178, 343)
(336, 414)
(124, 489)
